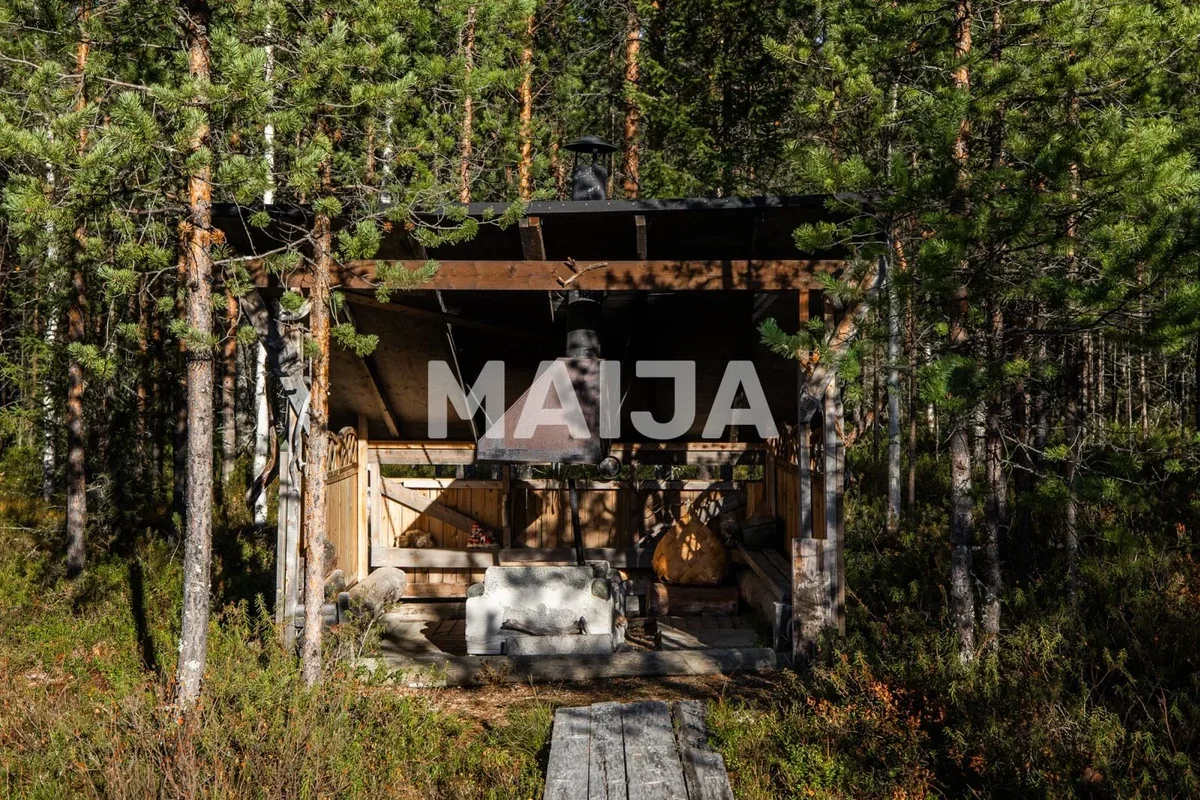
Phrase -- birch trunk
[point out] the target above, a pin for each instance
(197, 551)
(229, 391)
(262, 433)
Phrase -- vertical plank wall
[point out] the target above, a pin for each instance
(347, 492)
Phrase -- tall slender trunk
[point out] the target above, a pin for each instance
(49, 447)
(893, 394)
(77, 511)
(317, 455)
(197, 236)
(229, 390)
(179, 459)
(996, 510)
(50, 337)
(1196, 388)
(468, 123)
(633, 44)
(525, 167)
(1143, 381)
(910, 340)
(262, 432)
(1075, 373)
(996, 506)
(962, 600)
(269, 128)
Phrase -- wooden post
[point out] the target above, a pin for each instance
(810, 598)
(769, 483)
(363, 501)
(803, 459)
(804, 498)
(375, 493)
(506, 511)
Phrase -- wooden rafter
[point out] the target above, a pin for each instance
(391, 417)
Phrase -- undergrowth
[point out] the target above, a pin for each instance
(84, 708)
(1096, 699)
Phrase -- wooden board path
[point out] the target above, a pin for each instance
(634, 751)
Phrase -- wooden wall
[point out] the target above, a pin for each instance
(612, 515)
(346, 486)
(784, 485)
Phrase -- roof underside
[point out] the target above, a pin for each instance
(697, 229)
(650, 251)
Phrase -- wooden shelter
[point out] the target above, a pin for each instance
(676, 279)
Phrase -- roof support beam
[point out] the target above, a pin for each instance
(390, 417)
(650, 275)
(533, 246)
(639, 225)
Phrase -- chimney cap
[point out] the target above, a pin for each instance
(591, 144)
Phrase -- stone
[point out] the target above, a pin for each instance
(382, 588)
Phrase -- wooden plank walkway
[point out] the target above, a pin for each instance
(634, 751)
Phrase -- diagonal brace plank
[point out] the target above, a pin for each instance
(394, 490)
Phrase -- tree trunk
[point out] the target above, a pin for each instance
(525, 167)
(468, 123)
(77, 510)
(262, 433)
(1075, 373)
(197, 551)
(962, 599)
(76, 438)
(893, 395)
(49, 449)
(911, 341)
(229, 391)
(633, 43)
(996, 507)
(317, 456)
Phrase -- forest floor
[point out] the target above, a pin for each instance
(1098, 700)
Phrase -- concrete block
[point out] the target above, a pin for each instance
(584, 645)
(537, 596)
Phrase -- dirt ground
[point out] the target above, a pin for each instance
(489, 705)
